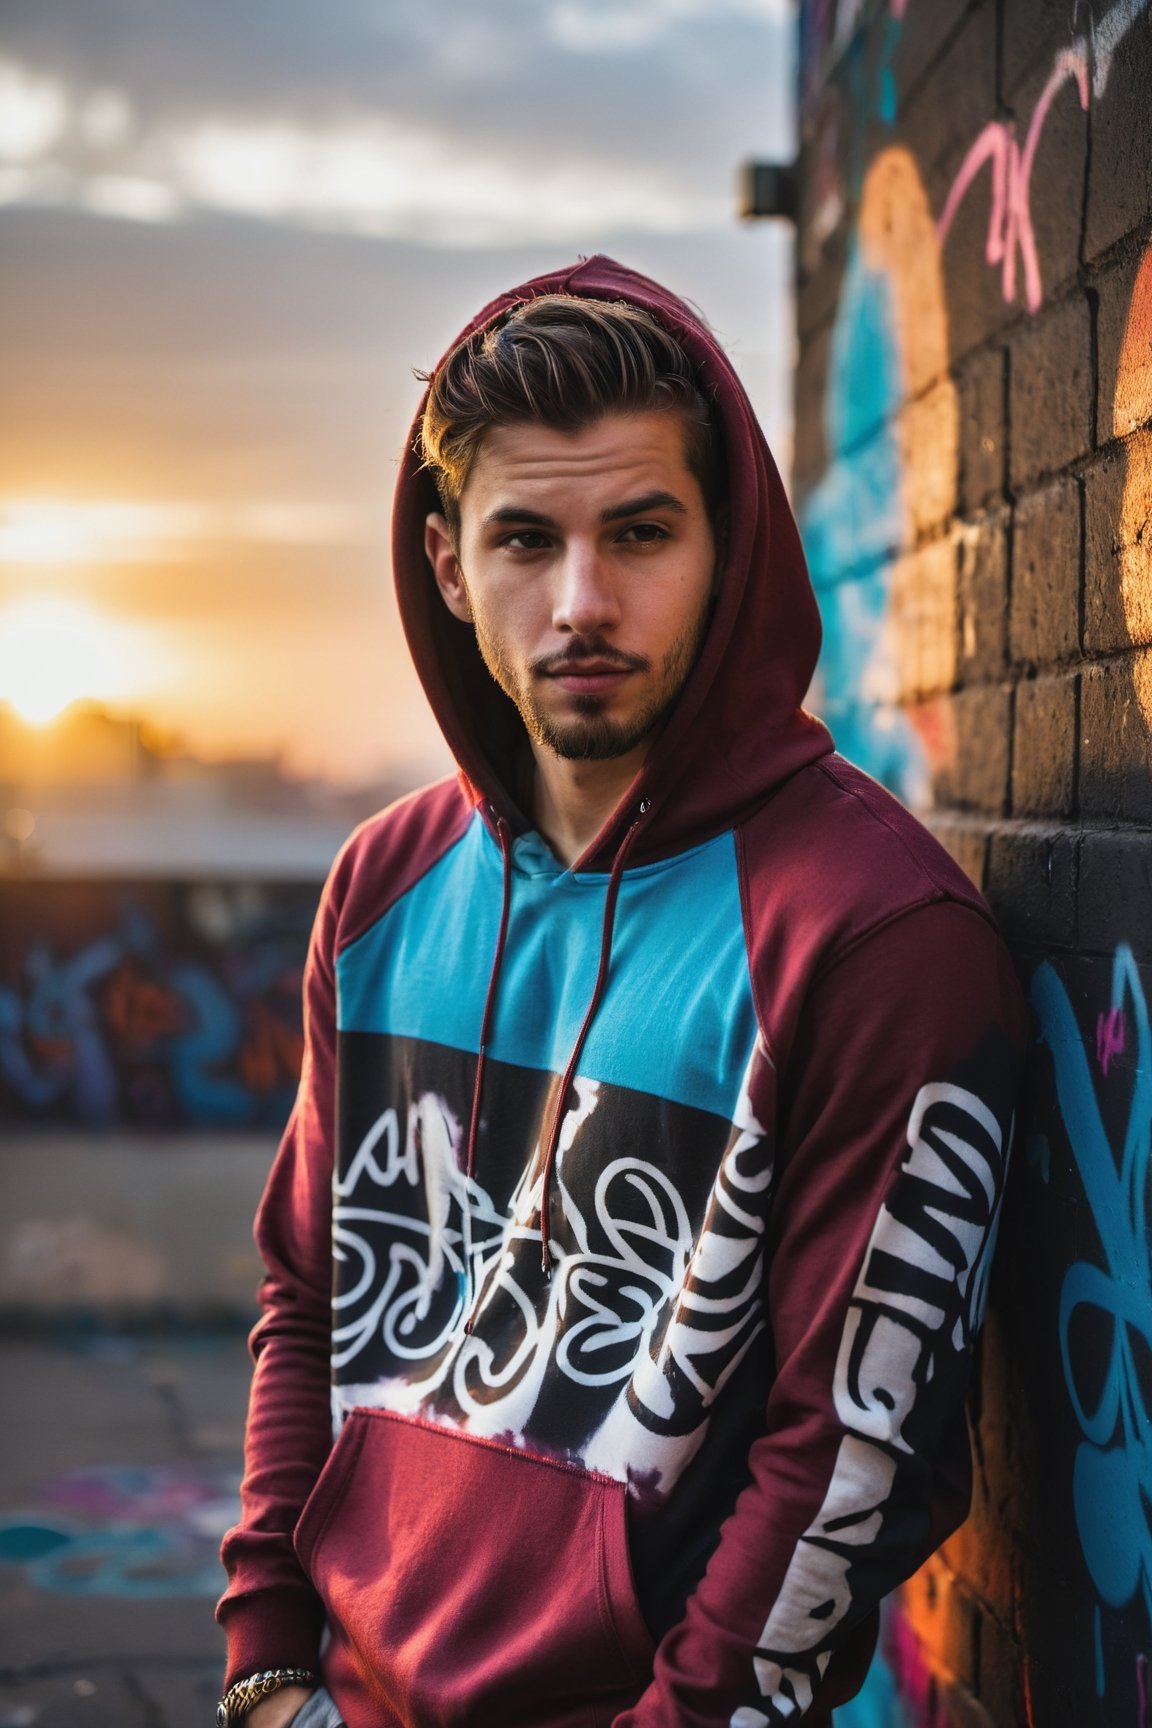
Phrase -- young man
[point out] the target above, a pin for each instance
(627, 1245)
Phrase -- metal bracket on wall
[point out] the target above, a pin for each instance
(769, 189)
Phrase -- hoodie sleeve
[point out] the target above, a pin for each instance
(893, 1112)
(270, 1612)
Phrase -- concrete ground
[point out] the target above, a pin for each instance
(119, 1463)
(131, 1225)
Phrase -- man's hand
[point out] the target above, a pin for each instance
(278, 1710)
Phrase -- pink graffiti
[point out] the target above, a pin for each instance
(156, 1495)
(1010, 224)
(919, 1695)
(1111, 1037)
(1087, 63)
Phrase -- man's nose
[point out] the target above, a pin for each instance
(586, 598)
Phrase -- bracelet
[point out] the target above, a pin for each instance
(239, 1699)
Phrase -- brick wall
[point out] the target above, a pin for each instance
(974, 479)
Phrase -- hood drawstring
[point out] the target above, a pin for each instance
(504, 837)
(561, 1107)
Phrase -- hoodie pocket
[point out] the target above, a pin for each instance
(324, 1501)
(469, 1582)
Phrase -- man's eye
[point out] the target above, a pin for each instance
(527, 540)
(645, 532)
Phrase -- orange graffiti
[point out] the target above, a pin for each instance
(138, 1011)
(1131, 413)
(1132, 403)
(898, 240)
(272, 1052)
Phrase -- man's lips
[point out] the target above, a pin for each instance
(593, 676)
(591, 683)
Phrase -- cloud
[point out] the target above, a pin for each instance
(440, 123)
(390, 181)
(126, 196)
(104, 118)
(33, 111)
(376, 181)
(616, 26)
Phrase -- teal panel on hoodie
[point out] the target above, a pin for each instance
(676, 1019)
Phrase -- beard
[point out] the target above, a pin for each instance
(591, 734)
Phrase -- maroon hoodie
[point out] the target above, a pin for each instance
(630, 1235)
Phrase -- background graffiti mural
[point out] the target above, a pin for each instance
(974, 480)
(151, 1005)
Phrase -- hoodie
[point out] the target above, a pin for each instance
(628, 1241)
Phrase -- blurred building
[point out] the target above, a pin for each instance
(98, 794)
(154, 920)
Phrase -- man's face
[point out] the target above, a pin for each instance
(586, 562)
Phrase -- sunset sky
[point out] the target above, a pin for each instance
(229, 234)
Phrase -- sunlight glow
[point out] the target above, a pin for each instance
(62, 531)
(56, 651)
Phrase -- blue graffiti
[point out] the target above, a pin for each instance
(108, 1531)
(57, 1015)
(852, 524)
(878, 1704)
(128, 1561)
(1112, 1475)
(215, 1028)
(829, 31)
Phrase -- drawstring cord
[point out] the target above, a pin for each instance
(503, 836)
(560, 1110)
(561, 1106)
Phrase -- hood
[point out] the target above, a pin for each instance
(738, 729)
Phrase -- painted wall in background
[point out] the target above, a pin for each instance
(151, 1005)
(974, 482)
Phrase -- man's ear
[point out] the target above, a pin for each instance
(440, 551)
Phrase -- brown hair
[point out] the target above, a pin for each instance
(562, 361)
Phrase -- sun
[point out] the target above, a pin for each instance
(55, 651)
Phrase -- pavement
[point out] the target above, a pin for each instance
(129, 1225)
(120, 1456)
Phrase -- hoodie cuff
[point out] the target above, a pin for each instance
(271, 1629)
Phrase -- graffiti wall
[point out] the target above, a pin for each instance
(151, 1005)
(974, 481)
